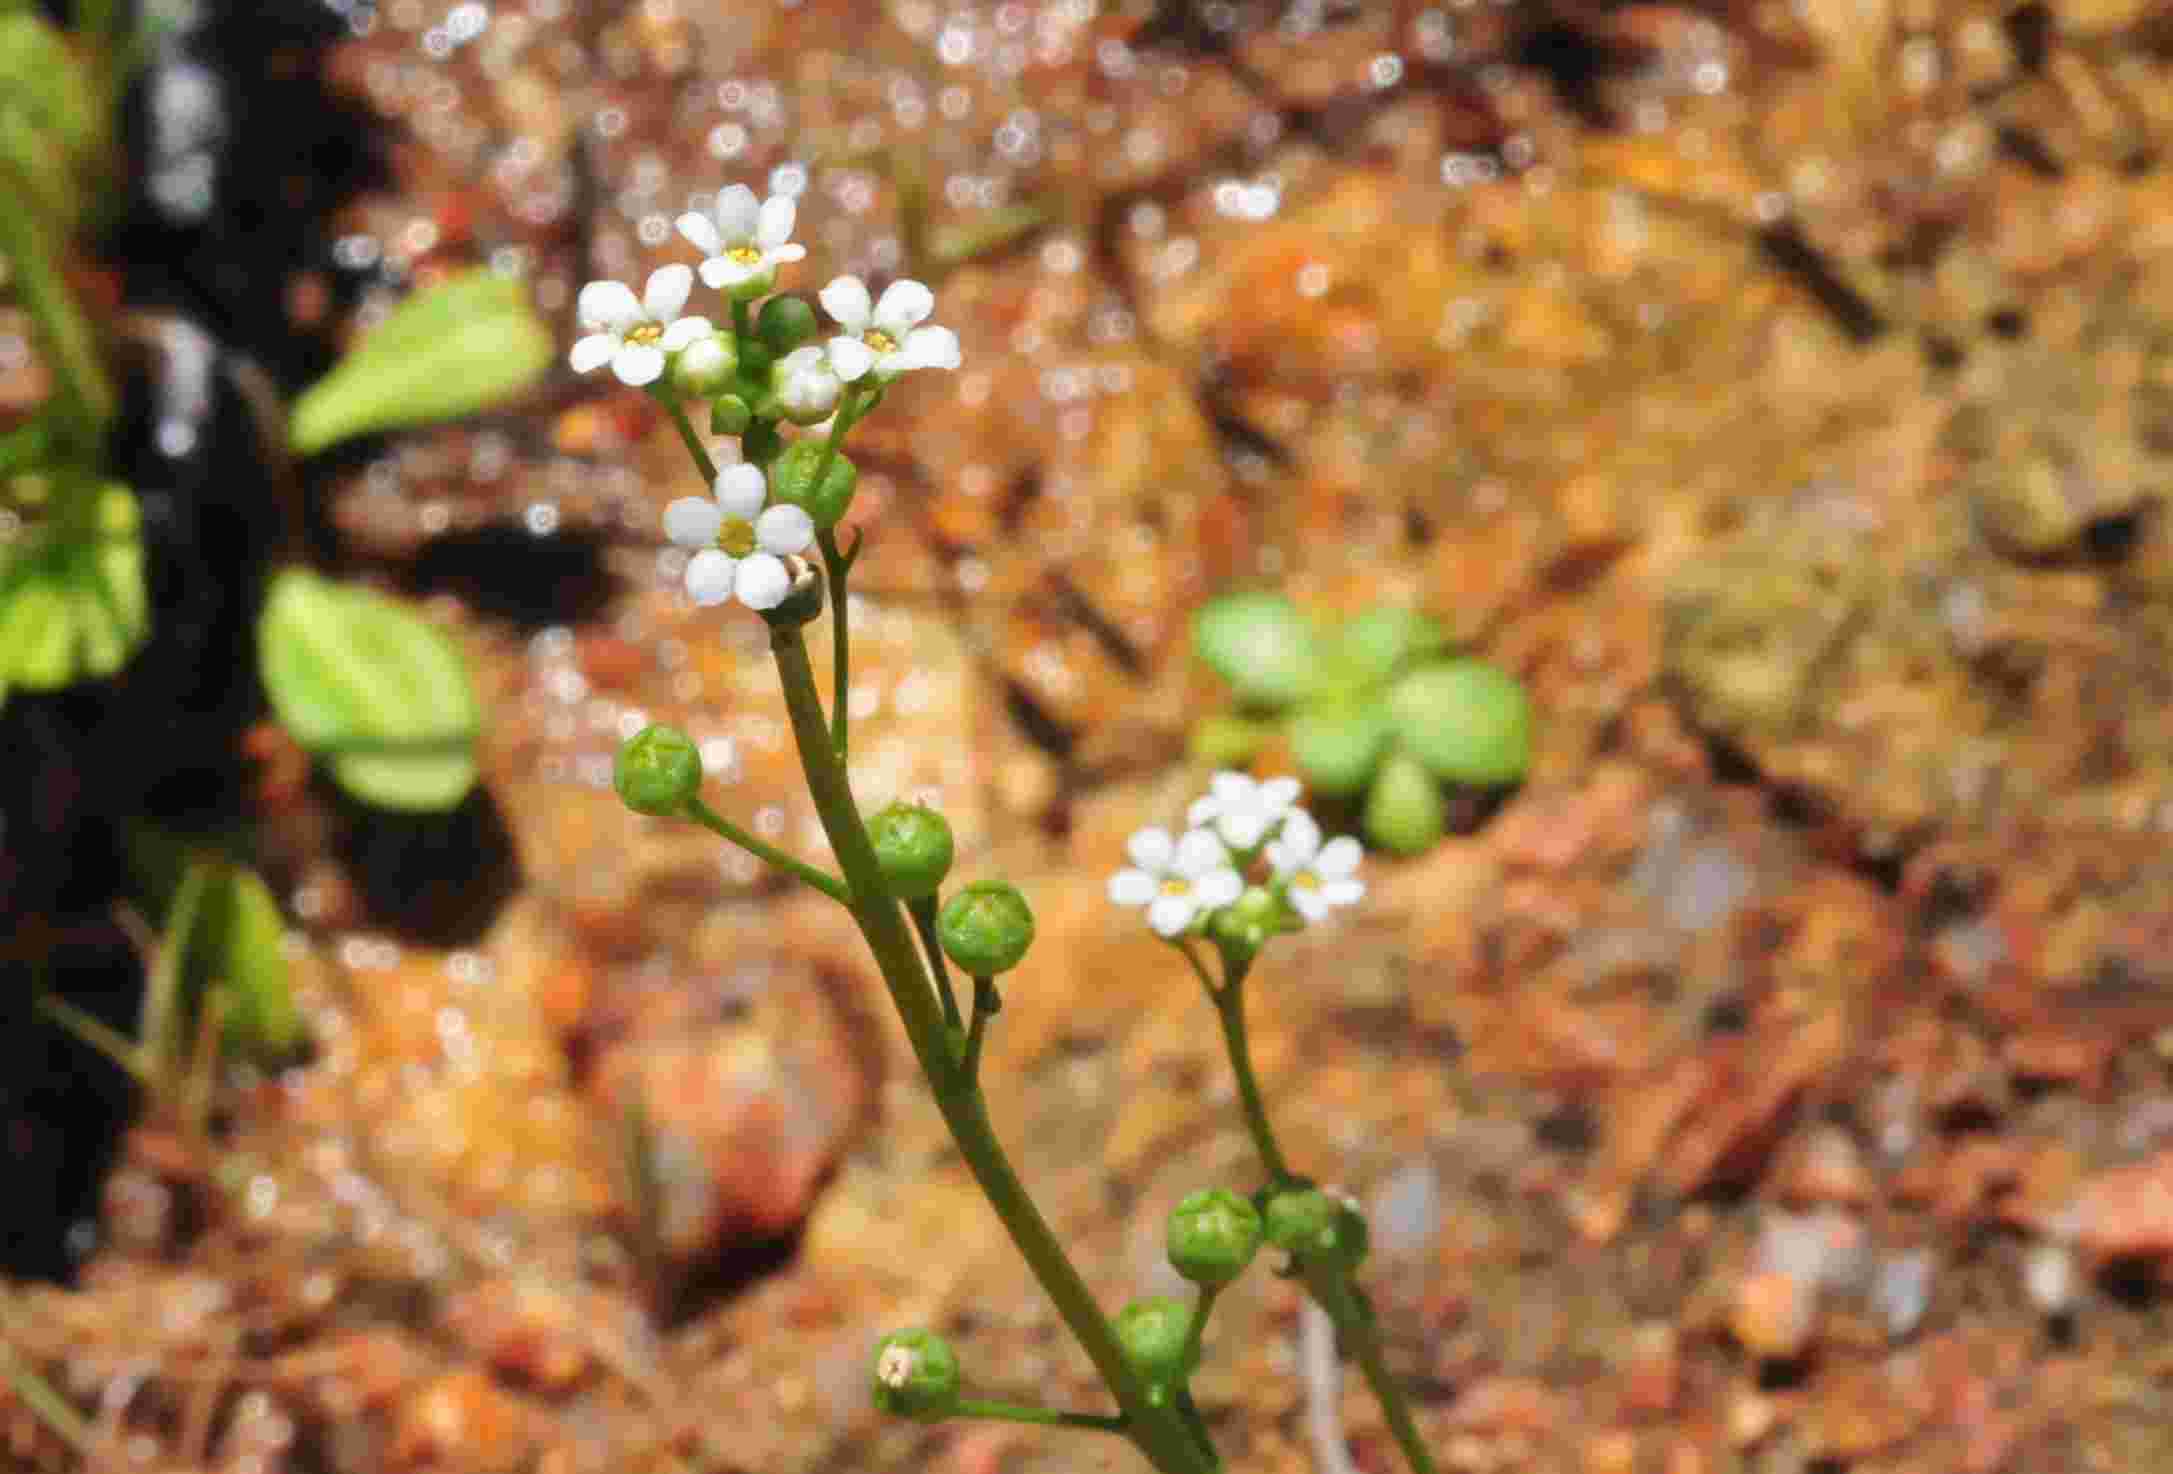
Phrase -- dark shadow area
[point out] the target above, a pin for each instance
(507, 572)
(439, 879)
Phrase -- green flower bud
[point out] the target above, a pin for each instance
(1243, 927)
(913, 845)
(1154, 1334)
(1213, 1235)
(1317, 1223)
(916, 1376)
(728, 415)
(706, 366)
(986, 928)
(792, 479)
(785, 323)
(658, 770)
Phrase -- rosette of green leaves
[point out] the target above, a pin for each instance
(1376, 711)
(73, 604)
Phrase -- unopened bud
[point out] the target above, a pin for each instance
(913, 846)
(658, 770)
(1213, 1235)
(986, 928)
(916, 1376)
(1155, 1334)
(792, 479)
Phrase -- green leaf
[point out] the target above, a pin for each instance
(1376, 644)
(73, 605)
(1405, 812)
(1225, 741)
(1469, 722)
(1261, 645)
(238, 950)
(1338, 743)
(372, 686)
(466, 343)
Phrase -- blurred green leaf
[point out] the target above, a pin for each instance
(1469, 722)
(1226, 741)
(1261, 645)
(73, 605)
(1405, 811)
(1338, 743)
(238, 951)
(374, 688)
(1376, 644)
(468, 342)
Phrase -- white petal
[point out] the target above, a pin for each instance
(1170, 915)
(701, 233)
(737, 212)
(1340, 857)
(729, 273)
(1203, 811)
(607, 307)
(684, 332)
(904, 303)
(741, 490)
(710, 576)
(1343, 892)
(1132, 888)
(692, 521)
(846, 300)
(1150, 849)
(784, 252)
(1310, 904)
(667, 291)
(1279, 794)
(773, 224)
(714, 270)
(1299, 839)
(1242, 829)
(784, 529)
(850, 358)
(1197, 853)
(638, 364)
(930, 348)
(593, 352)
(763, 582)
(1231, 788)
(1217, 888)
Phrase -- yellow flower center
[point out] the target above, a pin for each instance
(648, 332)
(745, 254)
(1306, 880)
(736, 536)
(1175, 887)
(880, 341)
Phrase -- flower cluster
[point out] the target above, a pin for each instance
(755, 373)
(1187, 882)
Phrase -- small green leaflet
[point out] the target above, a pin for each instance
(464, 344)
(372, 687)
(73, 605)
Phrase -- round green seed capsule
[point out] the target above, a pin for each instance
(1213, 1235)
(986, 928)
(658, 770)
(913, 845)
(1154, 1334)
(792, 479)
(1315, 1223)
(784, 324)
(916, 1376)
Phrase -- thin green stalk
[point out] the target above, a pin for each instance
(985, 1005)
(923, 911)
(1202, 1307)
(1230, 1007)
(692, 441)
(1157, 1430)
(1011, 1412)
(80, 377)
(743, 322)
(836, 567)
(716, 823)
(99, 1035)
(50, 1408)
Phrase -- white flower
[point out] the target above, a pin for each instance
(1176, 880)
(744, 241)
(1242, 809)
(806, 386)
(632, 336)
(741, 545)
(885, 339)
(1316, 878)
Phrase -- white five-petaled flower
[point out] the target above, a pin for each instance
(741, 545)
(885, 339)
(1316, 877)
(633, 336)
(807, 387)
(743, 240)
(1242, 809)
(1177, 880)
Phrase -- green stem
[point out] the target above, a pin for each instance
(985, 1005)
(1011, 1412)
(50, 1408)
(692, 441)
(99, 1035)
(743, 323)
(1360, 1334)
(1202, 1307)
(84, 391)
(924, 922)
(836, 566)
(1230, 1006)
(716, 823)
(1157, 1430)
